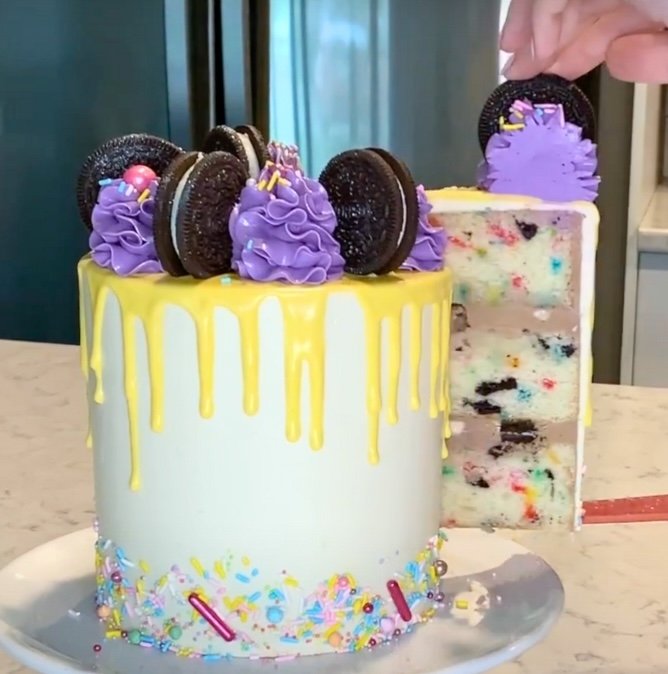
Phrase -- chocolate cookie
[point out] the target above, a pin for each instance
(204, 198)
(541, 89)
(112, 158)
(245, 142)
(164, 215)
(375, 201)
(411, 210)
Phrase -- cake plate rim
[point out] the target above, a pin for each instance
(524, 600)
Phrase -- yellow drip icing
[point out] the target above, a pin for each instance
(152, 324)
(142, 301)
(436, 351)
(250, 358)
(394, 367)
(415, 354)
(304, 328)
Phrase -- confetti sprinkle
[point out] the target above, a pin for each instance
(399, 600)
(211, 617)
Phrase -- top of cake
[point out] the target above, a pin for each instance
(243, 207)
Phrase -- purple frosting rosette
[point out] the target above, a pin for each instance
(122, 237)
(429, 247)
(282, 230)
(538, 153)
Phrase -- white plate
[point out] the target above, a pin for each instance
(47, 618)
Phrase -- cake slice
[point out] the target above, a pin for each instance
(520, 356)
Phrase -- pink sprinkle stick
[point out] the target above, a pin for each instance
(211, 617)
(399, 600)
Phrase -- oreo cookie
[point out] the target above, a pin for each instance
(193, 207)
(541, 89)
(245, 142)
(112, 158)
(164, 214)
(375, 201)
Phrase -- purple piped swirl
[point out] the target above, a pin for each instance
(537, 153)
(122, 237)
(429, 247)
(285, 233)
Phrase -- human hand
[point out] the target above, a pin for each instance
(571, 37)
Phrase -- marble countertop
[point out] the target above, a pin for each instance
(616, 616)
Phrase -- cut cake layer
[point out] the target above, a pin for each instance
(521, 357)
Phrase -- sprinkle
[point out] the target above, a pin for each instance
(226, 280)
(254, 597)
(289, 640)
(262, 185)
(274, 179)
(242, 578)
(116, 615)
(254, 572)
(146, 639)
(197, 565)
(245, 561)
(291, 582)
(399, 600)
(209, 657)
(113, 634)
(97, 648)
(129, 190)
(73, 614)
(144, 196)
(105, 181)
(219, 569)
(461, 604)
(218, 624)
(143, 566)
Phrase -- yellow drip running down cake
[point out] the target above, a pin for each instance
(267, 430)
(522, 250)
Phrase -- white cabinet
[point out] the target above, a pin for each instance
(645, 336)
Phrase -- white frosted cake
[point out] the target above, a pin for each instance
(267, 449)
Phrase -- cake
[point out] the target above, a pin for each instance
(274, 363)
(268, 436)
(522, 250)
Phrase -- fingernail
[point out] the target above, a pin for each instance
(508, 66)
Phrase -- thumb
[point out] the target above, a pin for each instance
(639, 58)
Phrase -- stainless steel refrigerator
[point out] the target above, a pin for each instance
(409, 75)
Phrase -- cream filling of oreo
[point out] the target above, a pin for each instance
(175, 205)
(253, 161)
(402, 232)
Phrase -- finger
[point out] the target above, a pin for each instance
(589, 48)
(516, 32)
(546, 24)
(640, 58)
(524, 65)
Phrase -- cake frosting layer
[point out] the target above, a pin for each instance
(256, 446)
(521, 356)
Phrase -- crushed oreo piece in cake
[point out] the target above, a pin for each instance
(527, 229)
(487, 388)
(459, 321)
(483, 407)
(520, 431)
